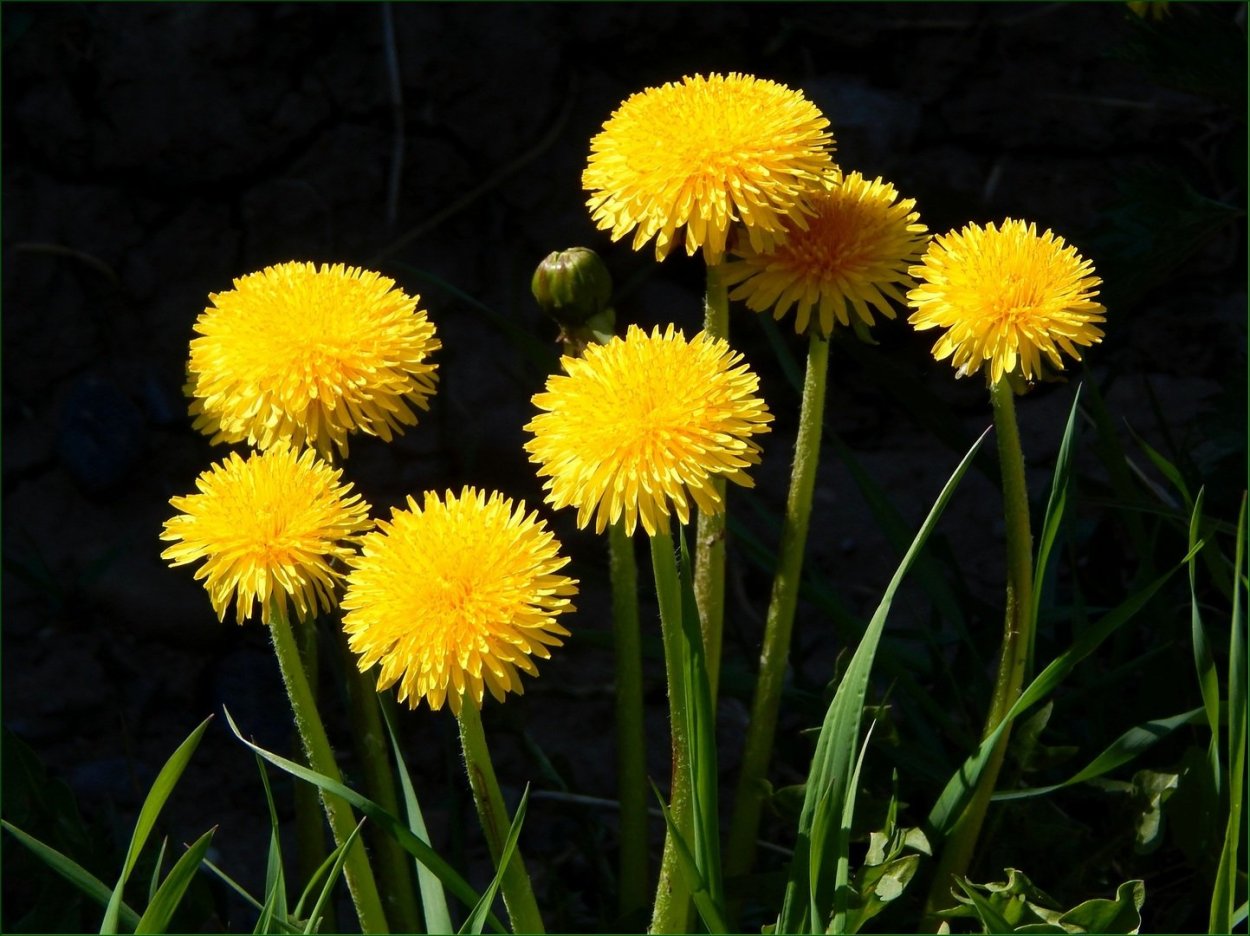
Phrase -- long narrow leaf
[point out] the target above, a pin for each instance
(275, 876)
(1204, 659)
(1053, 518)
(839, 738)
(961, 784)
(340, 858)
(153, 803)
(473, 925)
(842, 878)
(711, 915)
(73, 872)
(409, 842)
(1124, 749)
(433, 899)
(1224, 893)
(155, 882)
(161, 909)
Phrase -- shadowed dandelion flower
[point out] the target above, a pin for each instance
(704, 153)
(454, 598)
(308, 355)
(1007, 295)
(269, 525)
(854, 253)
(645, 422)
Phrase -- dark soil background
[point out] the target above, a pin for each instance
(153, 152)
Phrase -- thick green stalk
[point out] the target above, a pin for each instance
(320, 756)
(671, 912)
(370, 740)
(1018, 627)
(709, 557)
(518, 893)
(310, 834)
(631, 745)
(781, 606)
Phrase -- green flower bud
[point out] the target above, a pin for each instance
(572, 286)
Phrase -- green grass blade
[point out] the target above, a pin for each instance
(275, 878)
(162, 787)
(160, 911)
(1204, 659)
(155, 882)
(1053, 518)
(477, 917)
(842, 874)
(701, 730)
(712, 916)
(1124, 749)
(339, 856)
(1224, 893)
(961, 784)
(396, 829)
(73, 872)
(433, 899)
(315, 880)
(839, 739)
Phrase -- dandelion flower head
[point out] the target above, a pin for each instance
(268, 526)
(704, 153)
(853, 254)
(308, 355)
(1008, 298)
(639, 427)
(454, 597)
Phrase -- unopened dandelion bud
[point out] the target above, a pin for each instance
(572, 286)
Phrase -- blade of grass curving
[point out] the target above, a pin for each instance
(1053, 518)
(1204, 659)
(1124, 749)
(409, 842)
(155, 882)
(161, 909)
(710, 913)
(1224, 893)
(1240, 915)
(315, 880)
(838, 741)
(339, 856)
(961, 784)
(275, 878)
(701, 730)
(1165, 468)
(433, 899)
(842, 874)
(477, 917)
(73, 872)
(153, 803)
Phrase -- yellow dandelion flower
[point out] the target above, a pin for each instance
(704, 153)
(1007, 296)
(455, 598)
(305, 355)
(271, 525)
(854, 253)
(641, 425)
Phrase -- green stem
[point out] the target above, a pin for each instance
(709, 558)
(630, 736)
(781, 606)
(370, 740)
(1013, 659)
(310, 836)
(320, 756)
(518, 893)
(671, 912)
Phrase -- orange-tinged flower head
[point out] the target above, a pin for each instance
(306, 355)
(640, 426)
(268, 526)
(1008, 297)
(851, 255)
(704, 153)
(454, 597)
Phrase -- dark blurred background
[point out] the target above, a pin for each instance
(153, 152)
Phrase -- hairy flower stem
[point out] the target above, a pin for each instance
(630, 736)
(370, 740)
(1013, 660)
(360, 882)
(781, 606)
(671, 912)
(518, 893)
(310, 835)
(709, 558)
